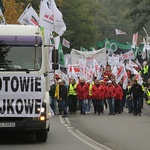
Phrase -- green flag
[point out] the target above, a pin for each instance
(61, 55)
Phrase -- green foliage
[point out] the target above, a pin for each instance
(89, 21)
(34, 3)
(80, 17)
(139, 13)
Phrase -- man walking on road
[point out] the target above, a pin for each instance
(82, 92)
(136, 91)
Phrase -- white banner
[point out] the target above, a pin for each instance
(99, 55)
(128, 55)
(113, 60)
(21, 95)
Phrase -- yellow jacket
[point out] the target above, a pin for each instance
(57, 92)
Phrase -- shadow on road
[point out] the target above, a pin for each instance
(17, 138)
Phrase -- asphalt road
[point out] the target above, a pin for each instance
(88, 132)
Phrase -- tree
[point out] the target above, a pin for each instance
(13, 11)
(34, 3)
(139, 13)
(115, 12)
(80, 17)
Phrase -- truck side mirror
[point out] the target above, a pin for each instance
(55, 66)
(55, 56)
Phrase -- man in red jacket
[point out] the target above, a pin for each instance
(118, 98)
(98, 97)
(82, 92)
(110, 94)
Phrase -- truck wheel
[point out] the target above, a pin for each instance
(41, 136)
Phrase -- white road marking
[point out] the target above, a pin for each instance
(67, 120)
(61, 120)
(82, 137)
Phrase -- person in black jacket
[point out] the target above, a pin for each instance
(63, 94)
(136, 91)
(52, 97)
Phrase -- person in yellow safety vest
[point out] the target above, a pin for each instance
(147, 92)
(145, 71)
(143, 89)
(89, 97)
(72, 96)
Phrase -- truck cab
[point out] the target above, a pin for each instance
(24, 82)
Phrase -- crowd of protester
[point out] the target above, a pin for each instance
(102, 94)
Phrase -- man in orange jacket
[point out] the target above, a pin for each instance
(82, 92)
(98, 96)
(118, 98)
(110, 94)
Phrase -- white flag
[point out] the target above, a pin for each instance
(144, 49)
(29, 17)
(66, 43)
(120, 73)
(59, 23)
(134, 40)
(114, 70)
(46, 16)
(132, 63)
(138, 77)
(125, 80)
(119, 32)
(138, 63)
(51, 18)
(2, 18)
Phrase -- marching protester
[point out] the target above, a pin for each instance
(98, 97)
(82, 92)
(61, 94)
(104, 101)
(72, 96)
(147, 95)
(136, 90)
(89, 97)
(145, 71)
(124, 100)
(110, 94)
(118, 98)
(53, 100)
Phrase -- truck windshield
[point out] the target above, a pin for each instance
(20, 57)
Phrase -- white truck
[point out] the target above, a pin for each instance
(24, 83)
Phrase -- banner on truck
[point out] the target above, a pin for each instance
(21, 95)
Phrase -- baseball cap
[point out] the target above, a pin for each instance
(109, 81)
(60, 80)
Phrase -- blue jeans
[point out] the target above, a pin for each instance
(100, 106)
(53, 104)
(137, 105)
(88, 105)
(64, 106)
(111, 103)
(82, 104)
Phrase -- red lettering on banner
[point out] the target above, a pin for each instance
(49, 17)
